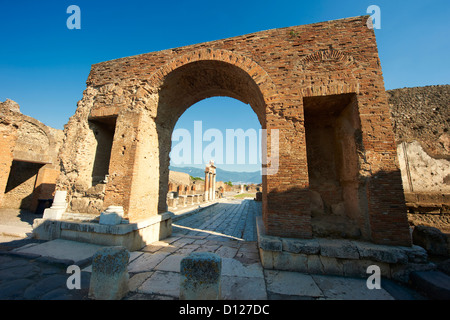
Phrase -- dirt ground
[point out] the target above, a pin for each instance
(439, 221)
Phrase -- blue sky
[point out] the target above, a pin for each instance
(44, 65)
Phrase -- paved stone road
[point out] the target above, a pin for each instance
(231, 219)
(28, 278)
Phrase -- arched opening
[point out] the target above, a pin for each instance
(226, 131)
(192, 83)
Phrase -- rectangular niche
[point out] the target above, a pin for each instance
(103, 129)
(333, 131)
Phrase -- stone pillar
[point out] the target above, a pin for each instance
(109, 278)
(200, 274)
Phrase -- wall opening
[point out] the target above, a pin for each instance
(224, 130)
(21, 184)
(193, 83)
(103, 129)
(333, 129)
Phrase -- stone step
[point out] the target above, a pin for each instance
(434, 284)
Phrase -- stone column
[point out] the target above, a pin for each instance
(210, 186)
(214, 186)
(206, 185)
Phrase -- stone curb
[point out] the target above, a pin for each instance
(339, 257)
(341, 248)
(434, 284)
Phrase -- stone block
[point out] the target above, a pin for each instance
(416, 254)
(381, 253)
(314, 265)
(290, 261)
(53, 214)
(45, 229)
(305, 246)
(332, 266)
(343, 249)
(109, 278)
(358, 268)
(431, 239)
(113, 215)
(200, 274)
(270, 243)
(266, 258)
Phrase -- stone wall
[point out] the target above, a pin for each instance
(421, 119)
(28, 159)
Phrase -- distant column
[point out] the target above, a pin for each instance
(210, 186)
(214, 186)
(206, 185)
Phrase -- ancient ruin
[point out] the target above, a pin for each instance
(184, 192)
(421, 122)
(319, 85)
(28, 160)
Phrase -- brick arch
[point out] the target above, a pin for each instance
(201, 74)
(254, 70)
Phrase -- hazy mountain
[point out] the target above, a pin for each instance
(223, 175)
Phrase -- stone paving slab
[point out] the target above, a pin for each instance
(234, 268)
(162, 283)
(292, 284)
(339, 288)
(146, 262)
(243, 288)
(62, 249)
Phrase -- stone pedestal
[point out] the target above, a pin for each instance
(113, 215)
(200, 274)
(109, 278)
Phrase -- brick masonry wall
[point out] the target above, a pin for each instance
(273, 71)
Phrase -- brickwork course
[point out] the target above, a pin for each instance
(313, 83)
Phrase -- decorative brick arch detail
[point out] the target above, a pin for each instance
(254, 70)
(330, 55)
(335, 58)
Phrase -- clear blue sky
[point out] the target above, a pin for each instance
(44, 65)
